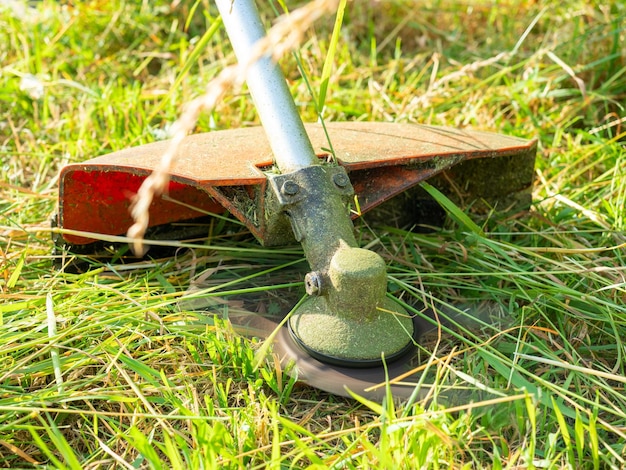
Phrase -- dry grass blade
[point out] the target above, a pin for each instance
(16, 450)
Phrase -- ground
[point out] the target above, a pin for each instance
(527, 368)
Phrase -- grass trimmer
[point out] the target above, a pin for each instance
(283, 185)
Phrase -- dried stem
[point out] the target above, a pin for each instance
(283, 37)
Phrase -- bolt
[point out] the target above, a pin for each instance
(313, 283)
(290, 188)
(341, 180)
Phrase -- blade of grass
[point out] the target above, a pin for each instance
(329, 61)
(263, 351)
(452, 209)
(15, 275)
(60, 443)
(191, 60)
(564, 428)
(54, 350)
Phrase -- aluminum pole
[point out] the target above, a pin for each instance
(283, 126)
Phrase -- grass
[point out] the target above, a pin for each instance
(531, 377)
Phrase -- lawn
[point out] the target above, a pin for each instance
(120, 366)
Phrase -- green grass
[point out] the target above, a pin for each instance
(533, 376)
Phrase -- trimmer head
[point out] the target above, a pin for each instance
(229, 171)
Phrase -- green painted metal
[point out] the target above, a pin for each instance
(354, 323)
(348, 319)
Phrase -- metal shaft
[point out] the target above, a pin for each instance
(286, 134)
(341, 323)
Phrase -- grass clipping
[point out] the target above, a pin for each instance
(284, 36)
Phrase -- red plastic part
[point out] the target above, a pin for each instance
(99, 201)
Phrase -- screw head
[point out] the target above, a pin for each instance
(290, 188)
(341, 180)
(313, 283)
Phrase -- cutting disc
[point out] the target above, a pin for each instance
(368, 382)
